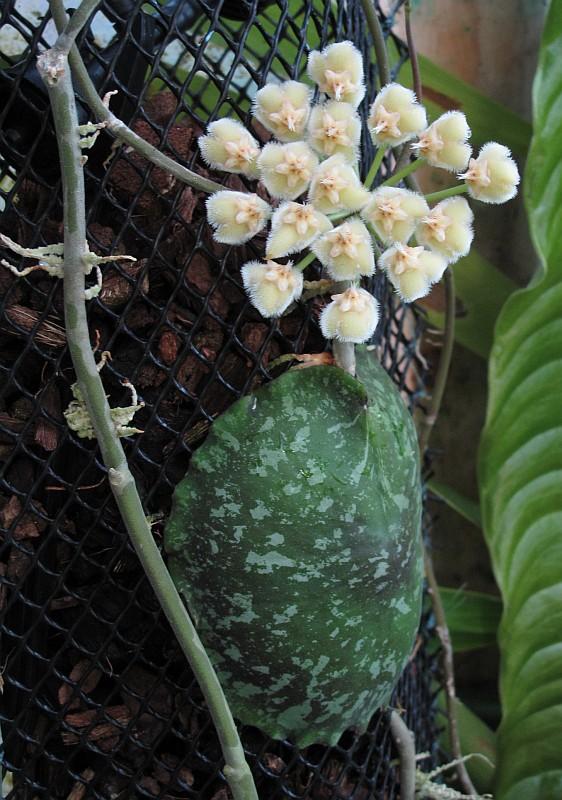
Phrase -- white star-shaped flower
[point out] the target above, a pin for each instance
(385, 123)
(493, 177)
(394, 213)
(346, 251)
(295, 226)
(303, 217)
(444, 143)
(241, 154)
(412, 270)
(228, 146)
(236, 216)
(335, 128)
(289, 116)
(272, 287)
(296, 167)
(352, 316)
(447, 229)
(335, 185)
(437, 222)
(286, 169)
(338, 71)
(396, 116)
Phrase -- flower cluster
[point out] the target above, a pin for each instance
(310, 170)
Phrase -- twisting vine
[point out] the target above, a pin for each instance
(54, 70)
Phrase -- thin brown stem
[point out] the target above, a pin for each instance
(425, 428)
(449, 670)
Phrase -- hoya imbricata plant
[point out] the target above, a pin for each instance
(317, 202)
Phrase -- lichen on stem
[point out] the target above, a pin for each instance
(54, 70)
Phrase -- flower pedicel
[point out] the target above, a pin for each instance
(315, 153)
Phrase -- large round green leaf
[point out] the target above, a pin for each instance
(295, 541)
(521, 469)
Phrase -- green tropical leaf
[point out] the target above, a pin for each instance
(472, 617)
(464, 506)
(307, 488)
(521, 468)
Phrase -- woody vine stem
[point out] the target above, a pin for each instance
(54, 70)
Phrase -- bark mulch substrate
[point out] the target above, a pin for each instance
(100, 699)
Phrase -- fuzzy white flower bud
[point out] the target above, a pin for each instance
(236, 216)
(294, 227)
(346, 251)
(396, 116)
(493, 177)
(351, 316)
(447, 229)
(283, 109)
(272, 287)
(335, 186)
(412, 270)
(228, 146)
(394, 213)
(335, 128)
(444, 143)
(286, 169)
(338, 71)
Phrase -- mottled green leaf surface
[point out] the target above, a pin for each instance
(521, 468)
(295, 541)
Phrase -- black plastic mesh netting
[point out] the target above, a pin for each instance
(97, 699)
